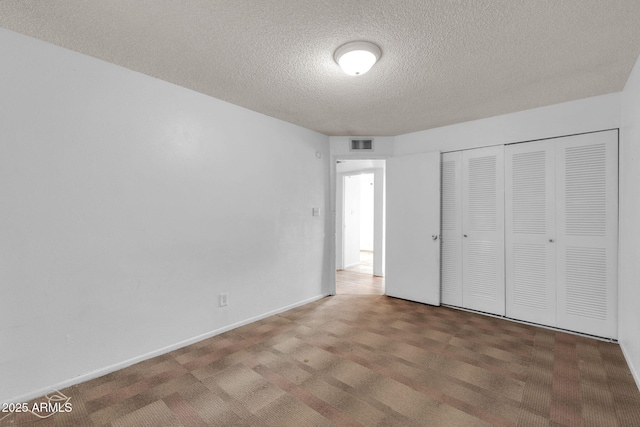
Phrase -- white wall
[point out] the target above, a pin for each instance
(351, 220)
(366, 212)
(128, 204)
(629, 274)
(585, 115)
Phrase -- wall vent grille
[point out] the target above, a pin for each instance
(362, 145)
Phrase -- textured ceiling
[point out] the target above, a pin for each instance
(443, 62)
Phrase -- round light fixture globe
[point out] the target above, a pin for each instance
(356, 58)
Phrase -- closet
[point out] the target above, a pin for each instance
(529, 231)
(472, 217)
(561, 231)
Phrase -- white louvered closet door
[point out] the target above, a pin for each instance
(587, 230)
(483, 285)
(451, 229)
(530, 217)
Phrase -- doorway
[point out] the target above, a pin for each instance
(360, 227)
(357, 223)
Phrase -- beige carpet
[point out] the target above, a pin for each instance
(366, 360)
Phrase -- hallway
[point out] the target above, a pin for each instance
(359, 279)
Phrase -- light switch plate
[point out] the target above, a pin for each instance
(223, 299)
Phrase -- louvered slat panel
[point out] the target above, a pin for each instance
(586, 190)
(586, 290)
(530, 281)
(450, 196)
(528, 180)
(451, 220)
(451, 272)
(481, 181)
(483, 268)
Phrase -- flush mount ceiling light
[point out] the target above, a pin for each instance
(356, 58)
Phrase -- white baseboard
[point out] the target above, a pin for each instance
(632, 368)
(120, 365)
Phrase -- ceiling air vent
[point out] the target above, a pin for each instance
(362, 145)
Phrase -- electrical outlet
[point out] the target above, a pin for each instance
(223, 299)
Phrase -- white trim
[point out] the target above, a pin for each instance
(632, 368)
(538, 325)
(126, 363)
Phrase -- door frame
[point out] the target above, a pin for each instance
(337, 209)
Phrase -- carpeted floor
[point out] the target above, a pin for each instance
(366, 360)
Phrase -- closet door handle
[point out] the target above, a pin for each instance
(550, 240)
(464, 235)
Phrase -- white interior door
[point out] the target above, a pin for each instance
(530, 231)
(483, 230)
(413, 227)
(451, 219)
(587, 232)
(351, 221)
